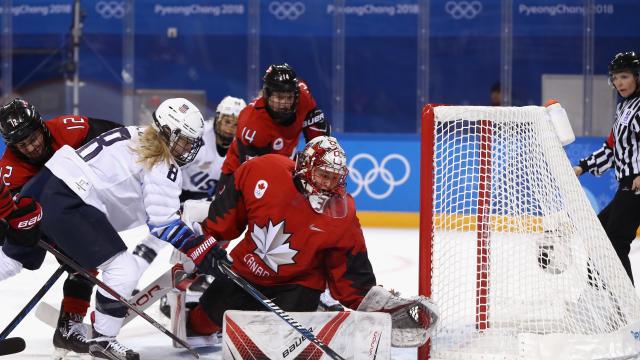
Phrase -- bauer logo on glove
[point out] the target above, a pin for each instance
(24, 222)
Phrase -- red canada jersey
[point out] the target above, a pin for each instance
(6, 202)
(258, 134)
(286, 241)
(65, 130)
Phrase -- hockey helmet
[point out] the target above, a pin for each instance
(281, 79)
(226, 119)
(321, 169)
(180, 123)
(21, 123)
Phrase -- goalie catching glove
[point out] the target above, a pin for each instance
(412, 319)
(205, 252)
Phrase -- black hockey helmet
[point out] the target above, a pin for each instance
(18, 120)
(627, 61)
(281, 78)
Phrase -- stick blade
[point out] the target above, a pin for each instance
(11, 346)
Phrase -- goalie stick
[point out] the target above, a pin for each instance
(245, 285)
(11, 346)
(48, 313)
(69, 262)
(34, 300)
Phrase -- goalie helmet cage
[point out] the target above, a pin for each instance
(510, 249)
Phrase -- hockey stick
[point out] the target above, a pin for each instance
(30, 305)
(244, 284)
(48, 313)
(11, 346)
(69, 262)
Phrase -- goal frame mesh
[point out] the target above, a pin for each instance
(485, 221)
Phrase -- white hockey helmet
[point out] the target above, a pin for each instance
(321, 168)
(226, 120)
(181, 124)
(230, 106)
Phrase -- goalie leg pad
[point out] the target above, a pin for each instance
(263, 335)
(412, 319)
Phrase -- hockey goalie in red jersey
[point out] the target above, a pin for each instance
(272, 123)
(302, 236)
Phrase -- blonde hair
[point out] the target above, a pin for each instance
(152, 148)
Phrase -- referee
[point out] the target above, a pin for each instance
(621, 217)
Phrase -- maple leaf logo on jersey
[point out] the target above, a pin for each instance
(272, 245)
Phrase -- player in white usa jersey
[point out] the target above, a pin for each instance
(200, 176)
(123, 178)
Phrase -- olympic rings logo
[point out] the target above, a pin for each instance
(463, 9)
(111, 9)
(286, 10)
(378, 170)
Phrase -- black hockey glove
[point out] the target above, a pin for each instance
(315, 124)
(24, 222)
(207, 254)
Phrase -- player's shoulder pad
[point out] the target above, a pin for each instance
(68, 121)
(268, 165)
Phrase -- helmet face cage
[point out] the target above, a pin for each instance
(281, 79)
(181, 125)
(184, 149)
(322, 168)
(20, 121)
(226, 120)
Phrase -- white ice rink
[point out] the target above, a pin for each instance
(393, 253)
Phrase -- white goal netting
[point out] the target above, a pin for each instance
(519, 264)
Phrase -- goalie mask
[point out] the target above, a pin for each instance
(226, 120)
(24, 132)
(180, 124)
(321, 170)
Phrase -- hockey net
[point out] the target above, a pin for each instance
(511, 250)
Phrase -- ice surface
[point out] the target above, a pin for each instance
(393, 253)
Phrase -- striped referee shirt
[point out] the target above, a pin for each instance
(622, 147)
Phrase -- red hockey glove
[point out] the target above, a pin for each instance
(24, 222)
(207, 254)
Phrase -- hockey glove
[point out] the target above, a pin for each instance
(177, 233)
(24, 222)
(207, 254)
(412, 319)
(315, 124)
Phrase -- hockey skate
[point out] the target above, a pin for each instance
(193, 284)
(70, 335)
(108, 347)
